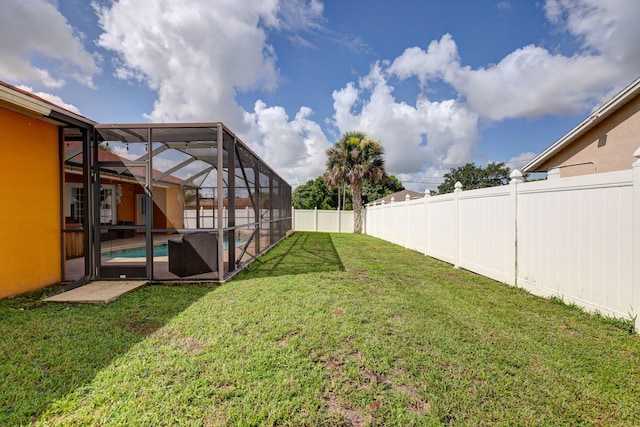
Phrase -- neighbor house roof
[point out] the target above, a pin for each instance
(107, 156)
(400, 196)
(598, 116)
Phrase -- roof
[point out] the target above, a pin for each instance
(199, 141)
(107, 156)
(400, 196)
(28, 103)
(598, 116)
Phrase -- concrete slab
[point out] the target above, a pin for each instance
(98, 292)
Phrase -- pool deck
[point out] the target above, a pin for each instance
(74, 268)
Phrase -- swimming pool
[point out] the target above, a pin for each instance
(158, 250)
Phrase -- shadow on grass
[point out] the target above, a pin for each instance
(301, 253)
(49, 350)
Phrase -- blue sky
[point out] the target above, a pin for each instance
(439, 83)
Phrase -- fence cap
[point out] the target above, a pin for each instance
(458, 186)
(516, 176)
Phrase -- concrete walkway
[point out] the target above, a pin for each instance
(98, 292)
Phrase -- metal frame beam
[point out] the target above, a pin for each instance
(175, 168)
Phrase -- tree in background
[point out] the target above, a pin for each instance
(472, 177)
(354, 160)
(313, 195)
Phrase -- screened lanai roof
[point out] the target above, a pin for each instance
(187, 151)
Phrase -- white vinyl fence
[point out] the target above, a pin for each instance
(208, 217)
(337, 221)
(577, 238)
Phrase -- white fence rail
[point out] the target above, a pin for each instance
(337, 221)
(208, 217)
(577, 238)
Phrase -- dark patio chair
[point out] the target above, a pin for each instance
(195, 253)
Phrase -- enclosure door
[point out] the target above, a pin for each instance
(122, 195)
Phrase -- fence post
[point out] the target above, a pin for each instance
(315, 219)
(392, 210)
(458, 189)
(339, 221)
(405, 244)
(293, 218)
(635, 274)
(516, 178)
(380, 220)
(365, 210)
(427, 194)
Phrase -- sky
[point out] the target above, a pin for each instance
(438, 83)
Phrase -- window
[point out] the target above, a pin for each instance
(74, 206)
(77, 205)
(107, 206)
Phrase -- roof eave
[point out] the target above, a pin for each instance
(36, 107)
(606, 110)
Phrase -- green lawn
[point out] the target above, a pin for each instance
(325, 329)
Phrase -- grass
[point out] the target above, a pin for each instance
(322, 330)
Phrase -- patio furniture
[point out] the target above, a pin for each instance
(195, 253)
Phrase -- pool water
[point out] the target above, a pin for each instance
(159, 250)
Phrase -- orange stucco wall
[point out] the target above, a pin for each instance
(167, 207)
(610, 145)
(30, 251)
(127, 205)
(174, 208)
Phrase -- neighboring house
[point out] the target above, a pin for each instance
(31, 135)
(604, 142)
(399, 196)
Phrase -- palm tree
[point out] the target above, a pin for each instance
(354, 160)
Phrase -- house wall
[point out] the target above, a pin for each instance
(159, 207)
(30, 253)
(610, 145)
(175, 208)
(127, 205)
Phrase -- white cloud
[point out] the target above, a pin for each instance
(425, 140)
(518, 162)
(32, 29)
(437, 62)
(198, 57)
(295, 148)
(122, 151)
(188, 52)
(55, 99)
(609, 28)
(415, 137)
(531, 81)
